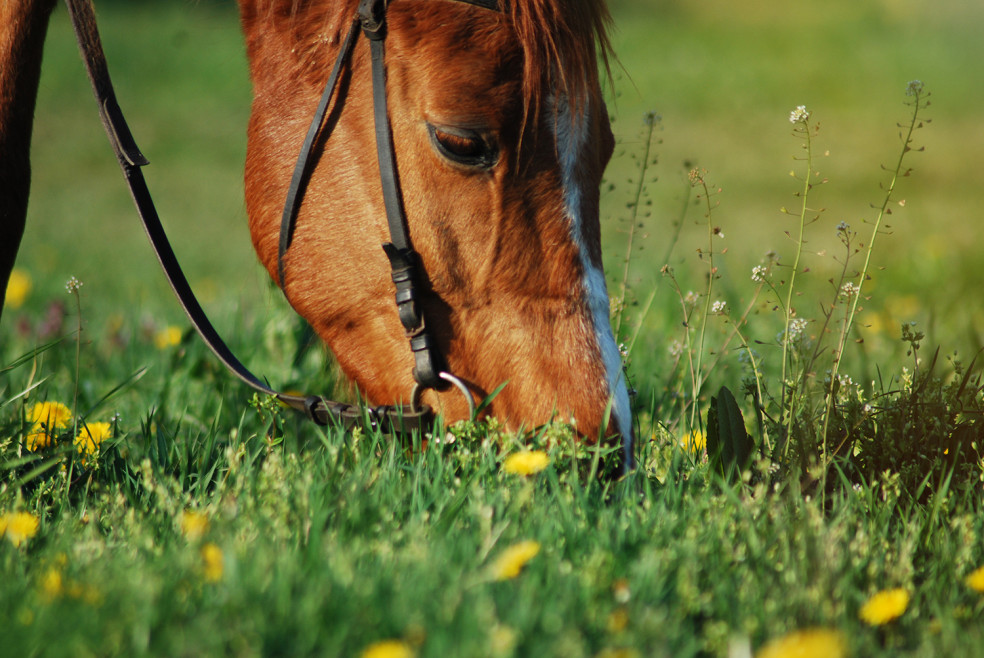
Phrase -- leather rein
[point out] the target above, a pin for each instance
(429, 370)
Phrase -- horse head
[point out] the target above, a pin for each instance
(501, 136)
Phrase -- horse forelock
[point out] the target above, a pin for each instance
(558, 39)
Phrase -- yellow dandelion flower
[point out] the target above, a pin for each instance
(18, 527)
(694, 442)
(618, 620)
(527, 462)
(388, 649)
(53, 415)
(47, 419)
(808, 643)
(213, 562)
(167, 337)
(91, 437)
(52, 584)
(38, 441)
(194, 525)
(885, 606)
(975, 580)
(513, 559)
(18, 288)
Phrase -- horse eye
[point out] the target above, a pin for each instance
(464, 147)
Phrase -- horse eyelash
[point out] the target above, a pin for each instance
(466, 149)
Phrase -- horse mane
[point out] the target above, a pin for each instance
(560, 37)
(560, 41)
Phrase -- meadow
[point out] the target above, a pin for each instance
(749, 245)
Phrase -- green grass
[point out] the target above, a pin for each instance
(329, 542)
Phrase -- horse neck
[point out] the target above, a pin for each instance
(23, 25)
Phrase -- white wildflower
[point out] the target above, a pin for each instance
(913, 88)
(849, 290)
(719, 307)
(799, 115)
(758, 273)
(73, 285)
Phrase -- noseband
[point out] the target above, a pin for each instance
(429, 370)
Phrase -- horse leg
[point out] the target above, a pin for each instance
(23, 26)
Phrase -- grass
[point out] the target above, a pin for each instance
(207, 523)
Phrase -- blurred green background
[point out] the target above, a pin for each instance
(724, 77)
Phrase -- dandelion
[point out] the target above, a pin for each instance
(18, 288)
(975, 580)
(212, 562)
(885, 606)
(719, 307)
(193, 524)
(47, 419)
(167, 337)
(18, 527)
(388, 649)
(808, 643)
(91, 437)
(799, 115)
(694, 442)
(618, 620)
(527, 462)
(758, 273)
(513, 559)
(52, 584)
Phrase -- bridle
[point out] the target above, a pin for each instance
(430, 370)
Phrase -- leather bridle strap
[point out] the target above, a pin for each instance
(428, 362)
(430, 370)
(302, 169)
(390, 419)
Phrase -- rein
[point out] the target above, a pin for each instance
(429, 371)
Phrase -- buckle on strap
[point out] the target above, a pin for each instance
(372, 16)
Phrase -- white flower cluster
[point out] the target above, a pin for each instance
(799, 115)
(758, 273)
(914, 88)
(719, 307)
(73, 285)
(849, 290)
(794, 332)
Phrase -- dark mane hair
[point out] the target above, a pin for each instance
(560, 40)
(560, 37)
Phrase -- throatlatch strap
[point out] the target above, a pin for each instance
(389, 419)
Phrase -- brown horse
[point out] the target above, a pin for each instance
(500, 136)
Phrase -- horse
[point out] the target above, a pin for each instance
(500, 136)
